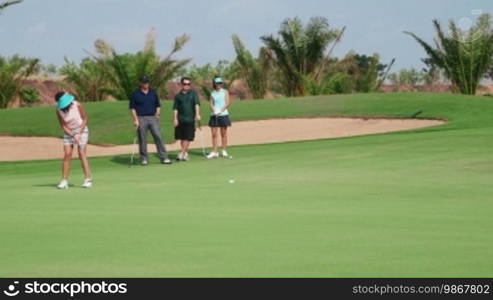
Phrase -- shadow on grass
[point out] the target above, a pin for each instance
(54, 186)
(126, 159)
(50, 185)
(196, 152)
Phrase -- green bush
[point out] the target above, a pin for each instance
(29, 95)
(339, 83)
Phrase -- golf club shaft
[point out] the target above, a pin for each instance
(134, 146)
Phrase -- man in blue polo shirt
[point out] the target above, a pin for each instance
(146, 109)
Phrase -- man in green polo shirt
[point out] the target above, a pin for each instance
(186, 110)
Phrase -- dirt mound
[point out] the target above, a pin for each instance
(47, 88)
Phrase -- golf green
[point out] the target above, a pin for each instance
(410, 204)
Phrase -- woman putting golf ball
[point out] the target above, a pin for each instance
(73, 120)
(219, 121)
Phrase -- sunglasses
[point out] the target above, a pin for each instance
(186, 83)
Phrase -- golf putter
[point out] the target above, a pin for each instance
(133, 151)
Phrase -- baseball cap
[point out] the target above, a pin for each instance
(218, 80)
(144, 79)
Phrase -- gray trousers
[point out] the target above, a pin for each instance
(150, 123)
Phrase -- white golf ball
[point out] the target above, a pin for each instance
(231, 181)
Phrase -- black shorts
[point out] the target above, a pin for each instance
(185, 131)
(221, 121)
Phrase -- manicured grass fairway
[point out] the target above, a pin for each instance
(415, 203)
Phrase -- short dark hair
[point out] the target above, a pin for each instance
(59, 95)
(185, 78)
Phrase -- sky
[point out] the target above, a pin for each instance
(54, 29)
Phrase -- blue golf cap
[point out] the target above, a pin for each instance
(218, 80)
(65, 100)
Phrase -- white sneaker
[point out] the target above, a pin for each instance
(213, 155)
(224, 153)
(87, 183)
(63, 185)
(166, 161)
(180, 156)
(185, 156)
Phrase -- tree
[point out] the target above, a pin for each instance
(203, 75)
(300, 51)
(49, 69)
(431, 72)
(254, 71)
(406, 77)
(13, 72)
(464, 56)
(123, 70)
(367, 72)
(5, 4)
(86, 78)
(490, 72)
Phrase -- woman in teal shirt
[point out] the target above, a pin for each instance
(219, 103)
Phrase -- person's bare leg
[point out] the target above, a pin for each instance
(84, 162)
(214, 138)
(182, 147)
(186, 144)
(67, 159)
(224, 137)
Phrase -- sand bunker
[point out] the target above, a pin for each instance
(241, 133)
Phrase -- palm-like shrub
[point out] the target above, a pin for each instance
(464, 56)
(13, 71)
(254, 71)
(431, 73)
(123, 70)
(5, 4)
(87, 80)
(300, 52)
